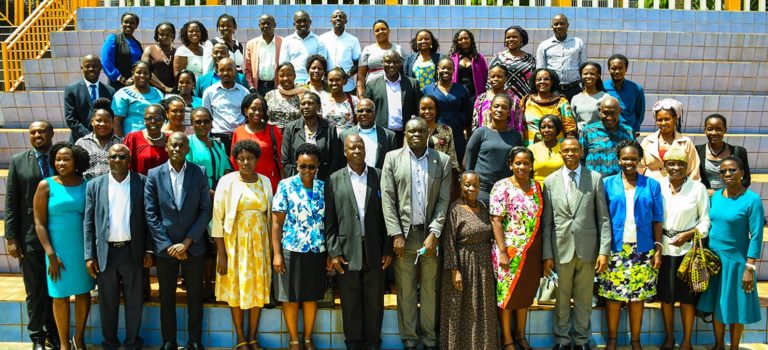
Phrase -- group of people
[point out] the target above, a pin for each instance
(261, 170)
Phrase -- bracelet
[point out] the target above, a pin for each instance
(751, 267)
(661, 246)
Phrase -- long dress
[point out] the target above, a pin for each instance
(736, 233)
(66, 207)
(468, 318)
(516, 286)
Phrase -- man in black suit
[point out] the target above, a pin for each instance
(178, 209)
(394, 114)
(79, 97)
(117, 247)
(378, 140)
(358, 245)
(26, 170)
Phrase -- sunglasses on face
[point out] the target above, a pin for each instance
(728, 171)
(118, 156)
(307, 167)
(365, 110)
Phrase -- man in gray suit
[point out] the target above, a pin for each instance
(378, 140)
(416, 188)
(576, 238)
(117, 247)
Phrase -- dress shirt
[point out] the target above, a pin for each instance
(119, 209)
(683, 211)
(267, 54)
(296, 50)
(343, 51)
(224, 105)
(564, 57)
(91, 90)
(632, 101)
(567, 177)
(394, 104)
(419, 173)
(359, 187)
(371, 141)
(177, 183)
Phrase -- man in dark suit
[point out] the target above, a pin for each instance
(358, 245)
(178, 207)
(117, 247)
(378, 140)
(26, 170)
(79, 97)
(394, 114)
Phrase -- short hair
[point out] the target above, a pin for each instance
(167, 99)
(156, 105)
(734, 159)
(392, 52)
(499, 66)
(503, 96)
(229, 17)
(629, 143)
(140, 62)
(48, 125)
(157, 30)
(380, 21)
(315, 97)
(552, 75)
(717, 116)
(340, 70)
(435, 43)
(183, 32)
(285, 64)
(468, 172)
(308, 149)
(433, 99)
(572, 138)
(248, 100)
(105, 104)
(472, 47)
(126, 14)
(248, 146)
(81, 157)
(555, 120)
(517, 150)
(186, 71)
(201, 109)
(313, 58)
(599, 83)
(618, 56)
(519, 30)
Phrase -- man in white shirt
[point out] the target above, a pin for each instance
(262, 55)
(343, 49)
(298, 46)
(564, 55)
(80, 96)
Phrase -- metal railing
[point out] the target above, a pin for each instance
(14, 12)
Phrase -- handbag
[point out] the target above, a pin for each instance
(698, 265)
(547, 293)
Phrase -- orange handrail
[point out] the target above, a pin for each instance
(32, 38)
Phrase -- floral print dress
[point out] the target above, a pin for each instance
(441, 140)
(281, 110)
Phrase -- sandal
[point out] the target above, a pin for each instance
(254, 345)
(519, 344)
(294, 345)
(611, 341)
(240, 345)
(512, 344)
(308, 345)
(633, 342)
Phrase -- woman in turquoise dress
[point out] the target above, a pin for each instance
(59, 205)
(736, 236)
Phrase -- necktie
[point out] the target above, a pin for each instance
(92, 88)
(572, 190)
(44, 166)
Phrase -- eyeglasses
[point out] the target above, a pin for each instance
(728, 171)
(202, 122)
(365, 110)
(307, 167)
(118, 156)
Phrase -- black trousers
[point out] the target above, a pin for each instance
(192, 271)
(39, 303)
(226, 139)
(121, 275)
(265, 86)
(570, 90)
(362, 306)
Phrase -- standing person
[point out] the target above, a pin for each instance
(455, 104)
(223, 100)
(516, 205)
(58, 207)
(120, 51)
(393, 112)
(637, 218)
(378, 140)
(219, 51)
(298, 244)
(576, 237)
(80, 96)
(371, 65)
(358, 246)
(130, 102)
(177, 217)
(160, 57)
(600, 139)
(262, 55)
(586, 104)
(189, 56)
(422, 63)
(544, 99)
(669, 115)
(343, 49)
(301, 44)
(117, 246)
(98, 142)
(712, 153)
(736, 237)
(283, 102)
(497, 81)
(686, 213)
(338, 105)
(24, 174)
(415, 192)
(227, 25)
(317, 67)
(471, 67)
(240, 227)
(547, 151)
(148, 146)
(268, 137)
(519, 63)
(630, 94)
(440, 135)
(564, 55)
(467, 308)
(176, 115)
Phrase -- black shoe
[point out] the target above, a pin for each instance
(195, 346)
(52, 343)
(169, 346)
(38, 346)
(581, 347)
(561, 347)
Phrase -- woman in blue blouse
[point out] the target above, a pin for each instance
(637, 216)
(120, 51)
(736, 236)
(454, 103)
(298, 242)
(130, 102)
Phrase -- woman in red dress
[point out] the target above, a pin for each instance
(269, 138)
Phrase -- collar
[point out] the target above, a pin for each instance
(567, 37)
(413, 155)
(219, 85)
(567, 171)
(112, 179)
(88, 83)
(184, 167)
(371, 130)
(38, 153)
(352, 173)
(296, 35)
(399, 78)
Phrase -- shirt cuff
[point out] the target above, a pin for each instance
(435, 232)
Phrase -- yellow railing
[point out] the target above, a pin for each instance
(16, 11)
(32, 38)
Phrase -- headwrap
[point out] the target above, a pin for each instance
(676, 153)
(670, 104)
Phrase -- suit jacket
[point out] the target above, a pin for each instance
(396, 191)
(342, 221)
(252, 58)
(736, 151)
(410, 94)
(584, 231)
(385, 138)
(23, 177)
(169, 224)
(78, 107)
(331, 149)
(96, 222)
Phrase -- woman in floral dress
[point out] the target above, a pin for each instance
(440, 135)
(515, 208)
(283, 102)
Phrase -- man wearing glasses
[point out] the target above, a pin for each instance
(378, 140)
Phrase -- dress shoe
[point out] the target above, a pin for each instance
(169, 346)
(52, 343)
(195, 346)
(561, 347)
(581, 347)
(38, 346)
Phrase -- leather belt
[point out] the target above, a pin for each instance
(418, 227)
(564, 87)
(119, 244)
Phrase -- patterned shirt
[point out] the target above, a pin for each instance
(599, 147)
(303, 229)
(98, 164)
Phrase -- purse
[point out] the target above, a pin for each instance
(698, 266)
(547, 293)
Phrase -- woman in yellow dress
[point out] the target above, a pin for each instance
(240, 226)
(547, 151)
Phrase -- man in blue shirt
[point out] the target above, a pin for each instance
(301, 44)
(219, 51)
(564, 54)
(599, 139)
(630, 94)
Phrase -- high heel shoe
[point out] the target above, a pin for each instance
(519, 344)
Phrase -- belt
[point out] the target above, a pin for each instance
(673, 233)
(418, 227)
(119, 244)
(569, 85)
(266, 83)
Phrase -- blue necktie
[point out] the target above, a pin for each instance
(93, 92)
(44, 166)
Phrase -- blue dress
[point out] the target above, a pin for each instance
(737, 233)
(455, 110)
(66, 205)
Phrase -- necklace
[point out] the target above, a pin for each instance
(154, 139)
(729, 196)
(470, 206)
(166, 59)
(712, 152)
(676, 189)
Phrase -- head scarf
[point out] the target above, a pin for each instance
(676, 153)
(670, 104)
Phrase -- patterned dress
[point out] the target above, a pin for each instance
(280, 110)
(520, 70)
(521, 216)
(98, 164)
(340, 114)
(441, 140)
(482, 112)
(535, 109)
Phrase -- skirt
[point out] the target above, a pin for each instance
(630, 275)
(304, 278)
(672, 289)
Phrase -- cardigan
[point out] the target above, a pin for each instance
(479, 72)
(226, 198)
(736, 151)
(649, 208)
(200, 154)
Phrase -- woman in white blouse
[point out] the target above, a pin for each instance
(190, 55)
(686, 212)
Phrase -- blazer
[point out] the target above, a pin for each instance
(585, 231)
(479, 72)
(78, 107)
(23, 177)
(652, 165)
(96, 221)
(342, 221)
(385, 138)
(411, 60)
(169, 224)
(649, 208)
(331, 149)
(736, 151)
(396, 191)
(410, 94)
(227, 197)
(252, 59)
